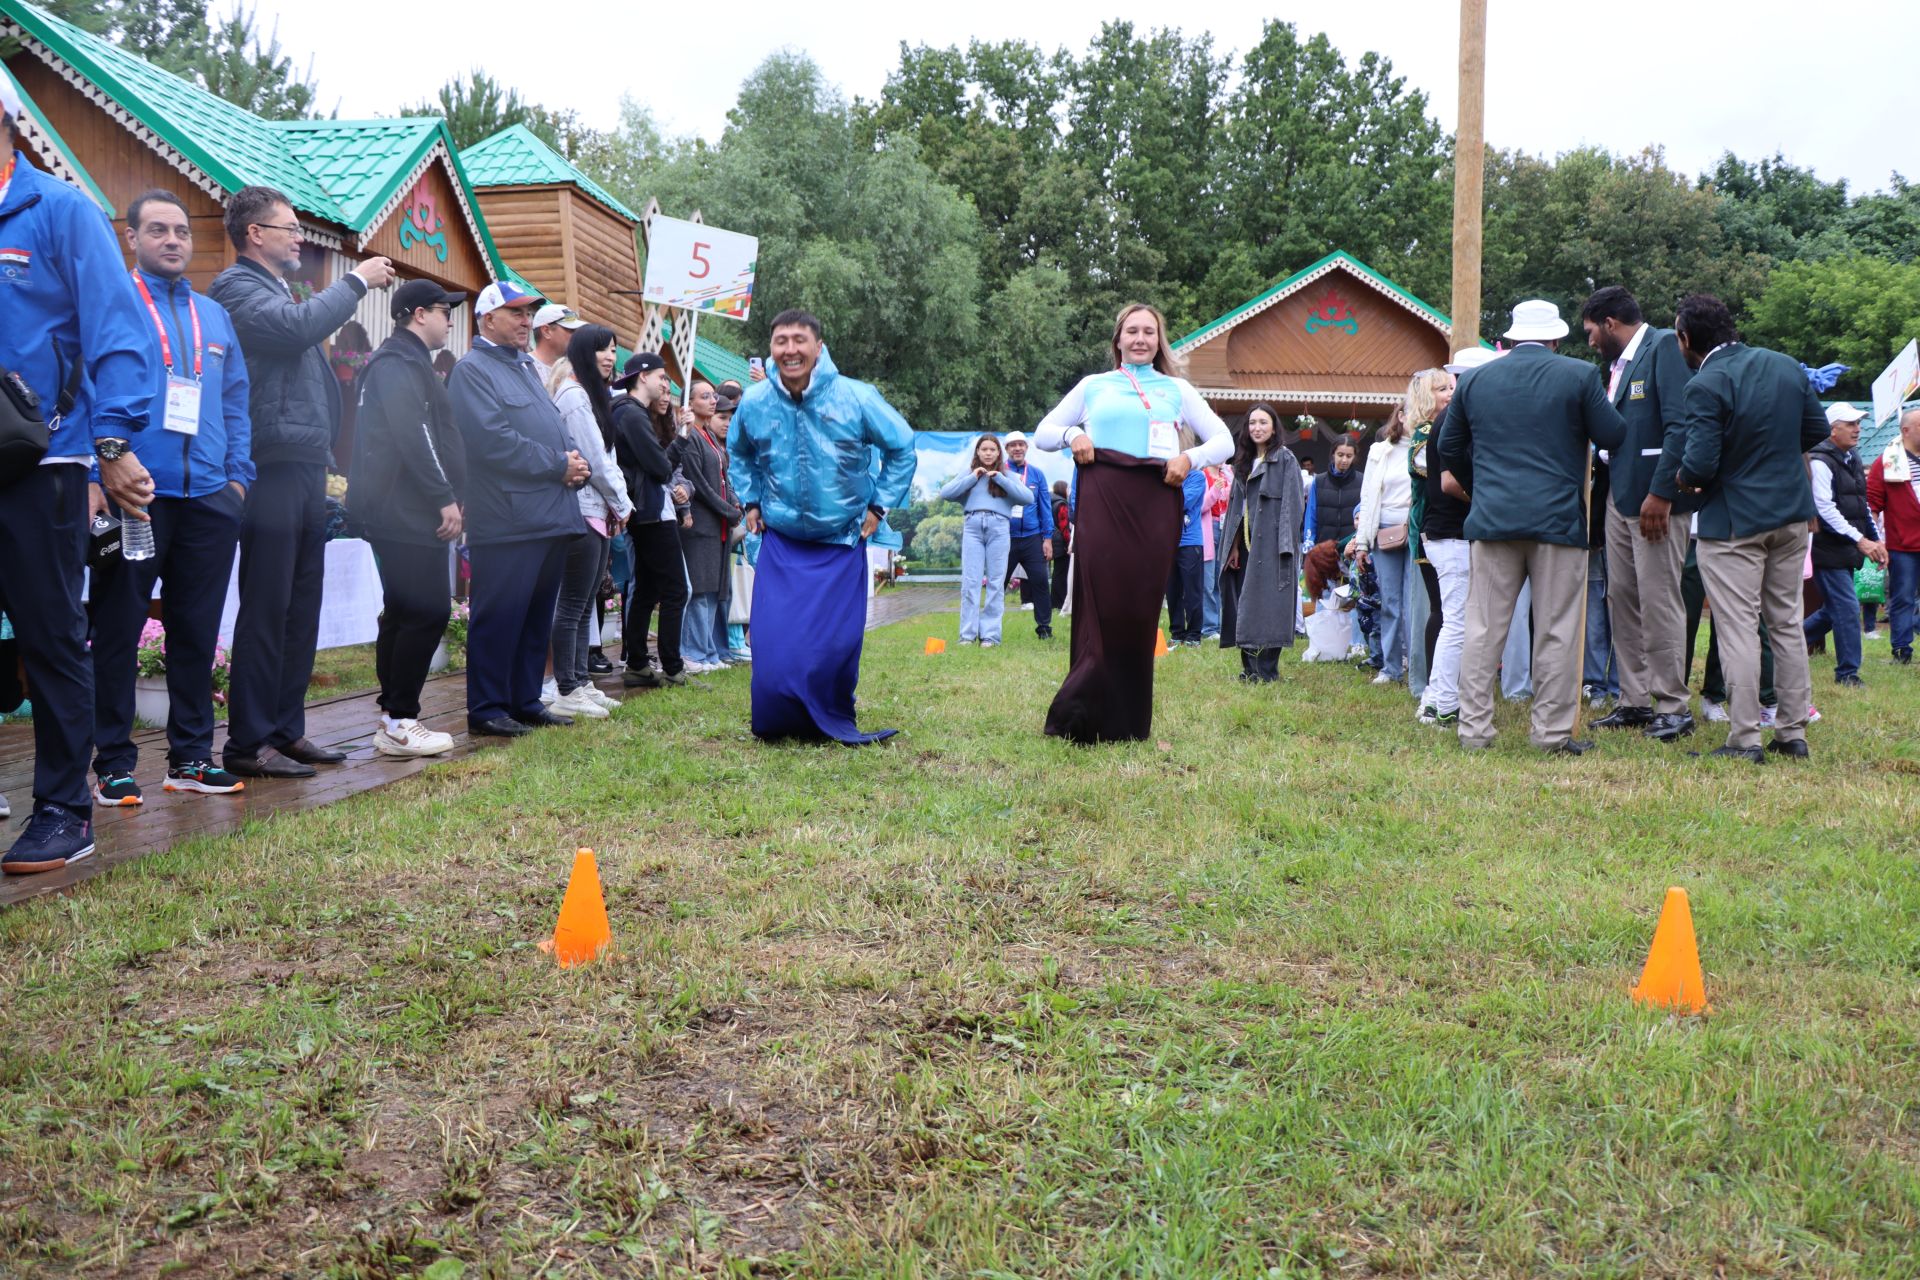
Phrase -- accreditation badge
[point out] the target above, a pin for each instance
(1163, 439)
(1637, 390)
(183, 406)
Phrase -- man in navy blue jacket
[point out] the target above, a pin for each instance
(1032, 534)
(75, 336)
(521, 513)
(198, 453)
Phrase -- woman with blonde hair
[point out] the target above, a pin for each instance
(990, 493)
(1386, 499)
(1123, 428)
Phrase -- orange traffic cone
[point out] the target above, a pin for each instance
(582, 932)
(1672, 977)
(1160, 642)
(935, 645)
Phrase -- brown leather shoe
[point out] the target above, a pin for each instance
(268, 764)
(306, 751)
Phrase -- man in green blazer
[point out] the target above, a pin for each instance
(1751, 415)
(1647, 382)
(1516, 437)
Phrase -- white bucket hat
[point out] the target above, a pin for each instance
(1537, 320)
(1470, 358)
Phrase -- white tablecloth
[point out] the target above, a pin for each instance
(350, 599)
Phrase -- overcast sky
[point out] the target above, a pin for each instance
(1698, 79)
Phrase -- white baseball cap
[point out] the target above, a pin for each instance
(13, 101)
(1537, 320)
(1841, 411)
(554, 313)
(1016, 437)
(503, 293)
(1470, 358)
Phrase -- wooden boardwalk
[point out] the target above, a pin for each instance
(345, 723)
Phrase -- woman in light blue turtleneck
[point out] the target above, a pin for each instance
(1123, 428)
(991, 495)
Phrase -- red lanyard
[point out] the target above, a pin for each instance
(1137, 391)
(717, 449)
(6, 174)
(166, 348)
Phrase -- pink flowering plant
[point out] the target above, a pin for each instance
(152, 658)
(457, 634)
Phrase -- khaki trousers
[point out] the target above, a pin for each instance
(1649, 618)
(1750, 580)
(1559, 577)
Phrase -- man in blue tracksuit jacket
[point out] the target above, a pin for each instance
(1185, 594)
(1032, 535)
(201, 473)
(71, 320)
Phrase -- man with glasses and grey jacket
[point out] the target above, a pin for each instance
(295, 406)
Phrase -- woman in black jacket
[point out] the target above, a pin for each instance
(659, 573)
(702, 455)
(409, 465)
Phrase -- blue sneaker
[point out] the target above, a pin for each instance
(54, 837)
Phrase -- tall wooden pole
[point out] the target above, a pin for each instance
(1469, 173)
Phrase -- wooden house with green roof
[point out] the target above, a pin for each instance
(1336, 341)
(360, 189)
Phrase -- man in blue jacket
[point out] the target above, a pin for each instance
(1032, 534)
(1185, 590)
(196, 448)
(74, 336)
(1751, 416)
(802, 449)
(520, 513)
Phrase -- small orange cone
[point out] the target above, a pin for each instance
(1160, 642)
(935, 645)
(582, 932)
(1672, 977)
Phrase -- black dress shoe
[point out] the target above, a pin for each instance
(306, 751)
(1792, 748)
(1044, 633)
(543, 720)
(1571, 747)
(1852, 682)
(1752, 755)
(1670, 726)
(1903, 656)
(498, 727)
(1626, 718)
(268, 764)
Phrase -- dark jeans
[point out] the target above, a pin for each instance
(283, 561)
(417, 599)
(1061, 560)
(1026, 554)
(193, 546)
(515, 587)
(659, 581)
(43, 548)
(1184, 596)
(1430, 579)
(1903, 579)
(1261, 666)
(1840, 615)
(1600, 669)
(580, 578)
(1713, 684)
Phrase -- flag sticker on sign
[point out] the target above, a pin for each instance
(700, 268)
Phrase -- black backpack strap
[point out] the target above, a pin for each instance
(70, 392)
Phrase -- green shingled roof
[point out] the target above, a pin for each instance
(37, 120)
(1339, 257)
(516, 157)
(710, 359)
(340, 171)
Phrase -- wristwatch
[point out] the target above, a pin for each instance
(111, 448)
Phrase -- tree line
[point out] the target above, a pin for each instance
(967, 236)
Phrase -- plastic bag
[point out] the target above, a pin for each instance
(1328, 630)
(1870, 583)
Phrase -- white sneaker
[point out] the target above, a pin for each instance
(1713, 712)
(6, 810)
(409, 738)
(701, 668)
(598, 696)
(740, 657)
(1382, 678)
(549, 693)
(578, 703)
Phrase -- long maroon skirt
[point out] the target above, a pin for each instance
(1126, 530)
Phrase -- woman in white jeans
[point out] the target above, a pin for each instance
(1440, 547)
(991, 495)
(1386, 499)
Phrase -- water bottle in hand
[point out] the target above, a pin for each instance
(136, 538)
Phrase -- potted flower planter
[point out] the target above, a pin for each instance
(151, 701)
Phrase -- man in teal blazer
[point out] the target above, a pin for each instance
(1647, 382)
(1517, 437)
(1751, 416)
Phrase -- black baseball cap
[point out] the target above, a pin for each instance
(638, 363)
(415, 294)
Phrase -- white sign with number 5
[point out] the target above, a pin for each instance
(700, 268)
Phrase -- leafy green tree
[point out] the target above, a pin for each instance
(478, 106)
(237, 65)
(1857, 310)
(937, 542)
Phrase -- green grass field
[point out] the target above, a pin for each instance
(1300, 989)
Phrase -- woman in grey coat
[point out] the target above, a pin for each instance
(702, 454)
(1260, 549)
